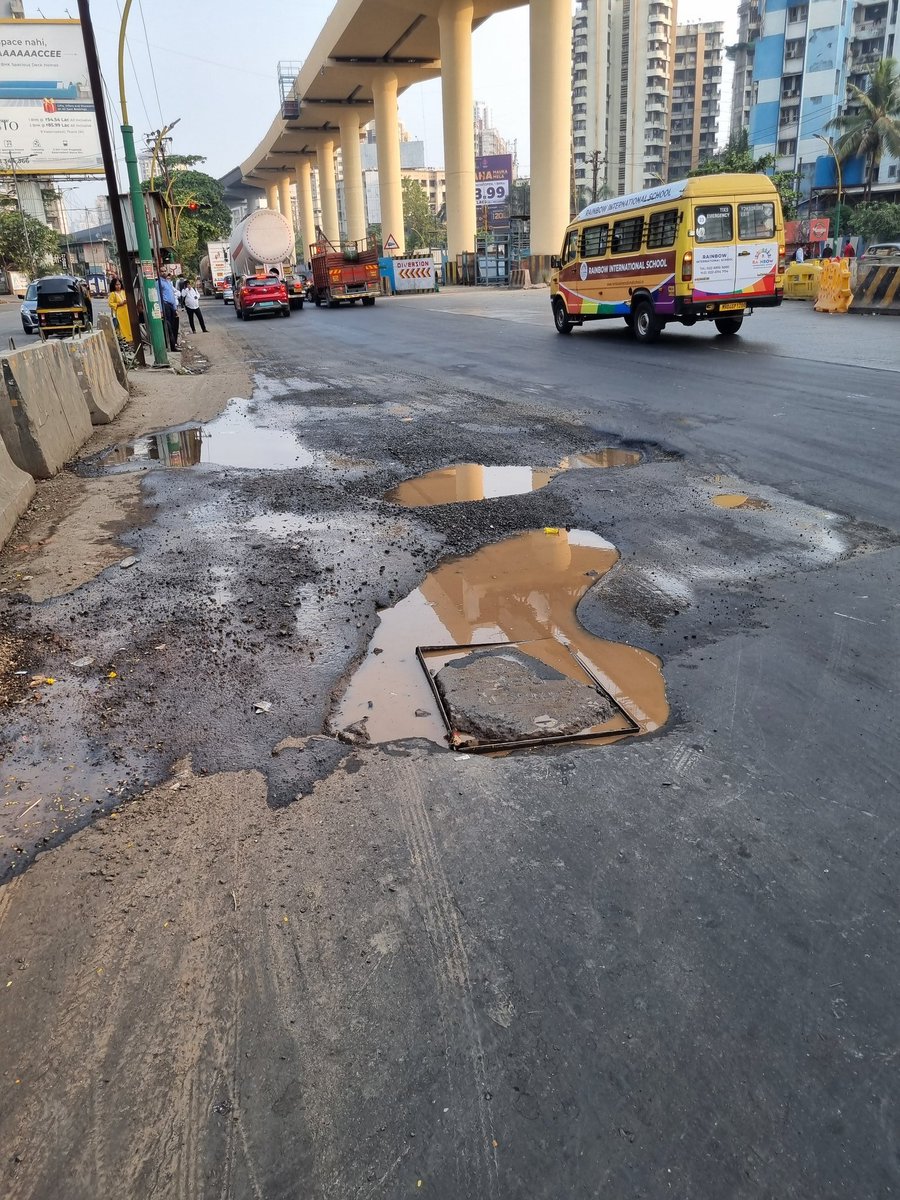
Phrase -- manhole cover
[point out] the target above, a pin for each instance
(500, 696)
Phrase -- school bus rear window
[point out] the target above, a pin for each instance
(628, 235)
(662, 228)
(756, 221)
(713, 223)
(594, 242)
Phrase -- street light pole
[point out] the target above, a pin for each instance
(109, 167)
(152, 305)
(840, 182)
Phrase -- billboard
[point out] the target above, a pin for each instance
(493, 180)
(47, 121)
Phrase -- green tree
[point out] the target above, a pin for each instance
(873, 128)
(14, 253)
(209, 222)
(420, 225)
(738, 157)
(875, 221)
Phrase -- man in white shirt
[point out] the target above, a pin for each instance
(190, 298)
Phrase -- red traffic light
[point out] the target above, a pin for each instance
(193, 206)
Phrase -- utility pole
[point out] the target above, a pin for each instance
(597, 160)
(109, 166)
(13, 163)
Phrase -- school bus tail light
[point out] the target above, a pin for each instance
(782, 260)
(687, 267)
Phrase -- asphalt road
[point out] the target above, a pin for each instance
(665, 967)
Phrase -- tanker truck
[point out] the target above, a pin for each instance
(261, 252)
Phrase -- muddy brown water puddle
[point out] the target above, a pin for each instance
(474, 481)
(231, 440)
(524, 590)
(739, 500)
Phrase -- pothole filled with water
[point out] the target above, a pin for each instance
(231, 440)
(524, 590)
(474, 481)
(739, 500)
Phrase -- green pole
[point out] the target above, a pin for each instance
(152, 299)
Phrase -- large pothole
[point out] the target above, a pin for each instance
(522, 590)
(475, 481)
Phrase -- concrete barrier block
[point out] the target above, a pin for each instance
(16, 490)
(115, 352)
(46, 419)
(104, 395)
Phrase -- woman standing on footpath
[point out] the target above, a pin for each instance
(119, 306)
(190, 298)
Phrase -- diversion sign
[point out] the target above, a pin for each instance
(47, 120)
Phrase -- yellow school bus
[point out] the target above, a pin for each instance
(709, 248)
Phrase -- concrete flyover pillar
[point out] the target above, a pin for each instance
(455, 21)
(353, 181)
(284, 199)
(387, 139)
(328, 192)
(305, 206)
(551, 127)
(271, 195)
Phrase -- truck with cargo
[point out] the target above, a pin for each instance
(267, 243)
(261, 250)
(344, 274)
(214, 269)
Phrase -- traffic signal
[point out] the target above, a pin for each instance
(193, 206)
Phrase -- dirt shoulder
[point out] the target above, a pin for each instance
(73, 529)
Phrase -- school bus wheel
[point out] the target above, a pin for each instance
(561, 317)
(729, 326)
(646, 325)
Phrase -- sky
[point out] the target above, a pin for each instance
(213, 65)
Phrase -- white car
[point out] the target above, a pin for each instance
(228, 294)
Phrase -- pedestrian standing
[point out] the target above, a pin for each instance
(118, 303)
(170, 310)
(799, 255)
(190, 296)
(849, 251)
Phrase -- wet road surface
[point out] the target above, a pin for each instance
(660, 967)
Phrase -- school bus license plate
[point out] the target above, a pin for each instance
(732, 307)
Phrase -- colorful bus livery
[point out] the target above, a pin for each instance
(708, 248)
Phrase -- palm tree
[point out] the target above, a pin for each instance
(873, 128)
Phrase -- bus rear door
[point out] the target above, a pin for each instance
(715, 258)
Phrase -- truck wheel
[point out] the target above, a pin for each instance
(647, 326)
(368, 301)
(729, 326)
(317, 300)
(334, 303)
(300, 306)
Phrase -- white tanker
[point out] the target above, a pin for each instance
(262, 241)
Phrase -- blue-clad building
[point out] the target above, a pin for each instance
(803, 60)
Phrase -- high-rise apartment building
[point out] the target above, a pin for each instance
(623, 57)
(802, 63)
(696, 96)
(742, 54)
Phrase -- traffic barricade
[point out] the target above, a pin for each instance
(834, 287)
(802, 280)
(877, 288)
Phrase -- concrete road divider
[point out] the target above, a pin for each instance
(104, 394)
(519, 278)
(107, 328)
(44, 417)
(834, 287)
(16, 490)
(877, 288)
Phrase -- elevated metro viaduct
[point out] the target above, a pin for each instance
(369, 51)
